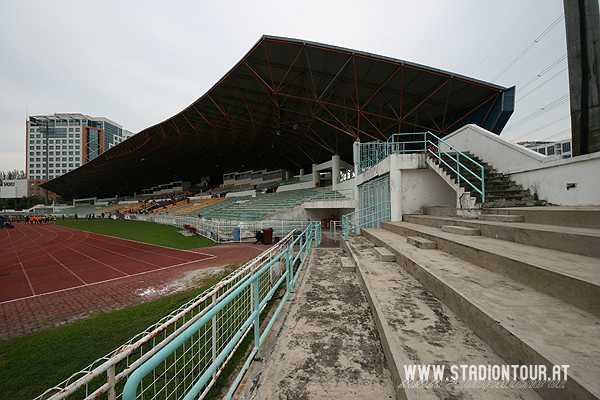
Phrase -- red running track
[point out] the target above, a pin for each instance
(41, 259)
(51, 275)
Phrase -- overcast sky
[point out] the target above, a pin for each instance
(141, 62)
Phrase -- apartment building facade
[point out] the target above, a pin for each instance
(59, 143)
(559, 149)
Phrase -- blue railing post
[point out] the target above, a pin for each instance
(288, 279)
(257, 317)
(482, 186)
(457, 167)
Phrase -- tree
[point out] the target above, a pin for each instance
(14, 174)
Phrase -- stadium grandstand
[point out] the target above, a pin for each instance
(286, 105)
(408, 149)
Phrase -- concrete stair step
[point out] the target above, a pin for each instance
(461, 230)
(582, 241)
(348, 264)
(507, 197)
(501, 203)
(522, 325)
(502, 217)
(572, 278)
(575, 216)
(384, 255)
(421, 243)
(441, 211)
(416, 328)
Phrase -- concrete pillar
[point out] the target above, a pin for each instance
(315, 174)
(335, 171)
(301, 171)
(395, 193)
(582, 22)
(356, 160)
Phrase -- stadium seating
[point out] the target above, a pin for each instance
(248, 208)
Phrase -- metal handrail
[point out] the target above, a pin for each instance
(374, 152)
(458, 164)
(304, 241)
(363, 219)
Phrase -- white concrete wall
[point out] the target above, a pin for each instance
(349, 184)
(240, 194)
(296, 186)
(296, 213)
(540, 174)
(424, 188)
(549, 181)
(494, 150)
(413, 185)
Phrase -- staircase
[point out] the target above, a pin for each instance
(500, 191)
(519, 286)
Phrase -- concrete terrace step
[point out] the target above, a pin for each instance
(522, 325)
(416, 328)
(324, 345)
(421, 243)
(580, 216)
(583, 241)
(572, 278)
(348, 264)
(461, 230)
(502, 217)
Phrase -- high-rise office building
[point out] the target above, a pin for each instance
(59, 143)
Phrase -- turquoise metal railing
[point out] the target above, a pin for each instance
(240, 309)
(367, 217)
(372, 153)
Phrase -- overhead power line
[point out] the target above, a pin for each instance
(543, 126)
(557, 134)
(550, 106)
(554, 64)
(502, 40)
(536, 41)
(534, 61)
(541, 84)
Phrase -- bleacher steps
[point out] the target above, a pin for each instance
(580, 217)
(461, 230)
(416, 328)
(421, 243)
(522, 325)
(384, 255)
(440, 211)
(572, 278)
(583, 241)
(348, 264)
(501, 217)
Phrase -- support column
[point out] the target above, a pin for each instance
(315, 174)
(395, 193)
(582, 22)
(335, 171)
(301, 171)
(356, 161)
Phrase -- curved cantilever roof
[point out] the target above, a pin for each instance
(287, 104)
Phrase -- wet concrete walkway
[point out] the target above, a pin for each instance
(325, 344)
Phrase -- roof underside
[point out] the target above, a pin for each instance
(289, 104)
